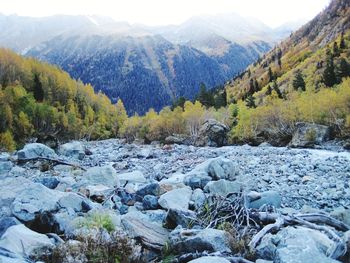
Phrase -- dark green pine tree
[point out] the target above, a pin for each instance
(220, 100)
(277, 90)
(343, 70)
(268, 91)
(38, 91)
(250, 102)
(329, 77)
(298, 82)
(205, 97)
(180, 102)
(336, 51)
(342, 41)
(251, 87)
(271, 77)
(256, 85)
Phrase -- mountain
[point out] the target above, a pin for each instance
(135, 62)
(301, 79)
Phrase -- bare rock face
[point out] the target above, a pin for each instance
(212, 133)
(309, 134)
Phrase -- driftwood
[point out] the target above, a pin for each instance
(234, 210)
(320, 222)
(55, 161)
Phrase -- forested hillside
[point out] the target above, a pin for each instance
(305, 78)
(38, 100)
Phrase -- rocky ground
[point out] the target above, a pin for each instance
(155, 195)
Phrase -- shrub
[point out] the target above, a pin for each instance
(97, 221)
(99, 247)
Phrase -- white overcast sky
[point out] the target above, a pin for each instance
(161, 12)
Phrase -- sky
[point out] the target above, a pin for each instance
(163, 12)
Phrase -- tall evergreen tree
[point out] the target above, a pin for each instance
(342, 41)
(277, 90)
(268, 91)
(329, 77)
(343, 70)
(271, 77)
(336, 51)
(38, 89)
(298, 82)
(250, 102)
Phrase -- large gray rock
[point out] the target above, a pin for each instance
(35, 200)
(38, 199)
(178, 217)
(139, 225)
(209, 259)
(35, 150)
(5, 167)
(198, 198)
(19, 237)
(223, 187)
(7, 222)
(294, 245)
(194, 240)
(177, 198)
(217, 168)
(132, 180)
(309, 134)
(257, 200)
(10, 187)
(104, 175)
(7, 256)
(73, 150)
(212, 133)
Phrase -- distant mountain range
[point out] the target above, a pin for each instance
(144, 66)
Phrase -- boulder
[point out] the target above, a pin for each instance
(134, 177)
(7, 222)
(296, 244)
(18, 237)
(178, 217)
(198, 198)
(199, 240)
(104, 175)
(38, 199)
(177, 198)
(197, 180)
(35, 200)
(75, 150)
(217, 168)
(257, 200)
(35, 150)
(309, 134)
(223, 187)
(209, 259)
(212, 133)
(10, 187)
(99, 192)
(5, 167)
(148, 189)
(50, 182)
(139, 225)
(150, 202)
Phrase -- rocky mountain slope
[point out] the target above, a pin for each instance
(162, 62)
(160, 200)
(302, 51)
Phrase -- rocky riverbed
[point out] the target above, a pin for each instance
(154, 193)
